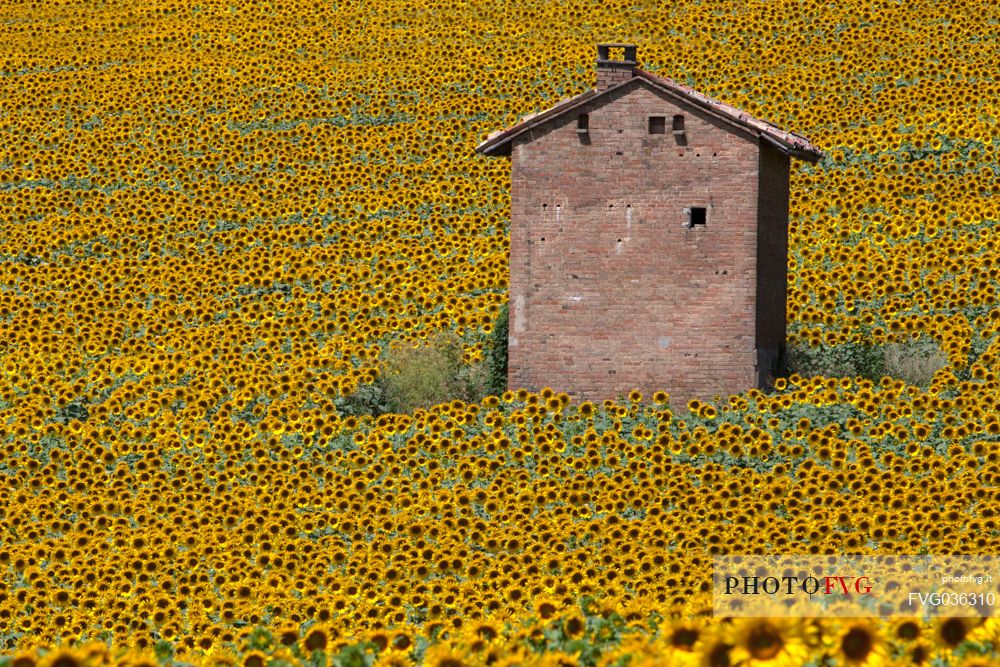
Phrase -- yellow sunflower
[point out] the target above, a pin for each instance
(254, 659)
(770, 642)
(575, 625)
(815, 632)
(24, 659)
(223, 658)
(508, 657)
(61, 658)
(713, 649)
(952, 632)
(906, 630)
(444, 655)
(135, 658)
(987, 631)
(287, 634)
(546, 607)
(640, 649)
(671, 647)
(977, 661)
(394, 658)
(485, 630)
(920, 652)
(317, 638)
(95, 653)
(679, 644)
(860, 644)
(558, 659)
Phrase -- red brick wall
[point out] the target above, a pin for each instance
(612, 73)
(772, 261)
(620, 294)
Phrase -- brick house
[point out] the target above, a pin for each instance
(648, 240)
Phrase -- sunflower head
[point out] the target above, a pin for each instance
(135, 657)
(443, 655)
(906, 630)
(287, 635)
(393, 658)
(951, 632)
(715, 651)
(860, 644)
(315, 640)
(254, 659)
(684, 636)
(380, 639)
(575, 625)
(920, 652)
(62, 658)
(485, 630)
(24, 659)
(767, 641)
(223, 658)
(976, 661)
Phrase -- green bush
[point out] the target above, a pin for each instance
(420, 377)
(914, 362)
(497, 355)
(430, 374)
(367, 399)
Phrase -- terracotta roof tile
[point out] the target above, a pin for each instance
(498, 142)
(791, 138)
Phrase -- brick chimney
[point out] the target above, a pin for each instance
(611, 72)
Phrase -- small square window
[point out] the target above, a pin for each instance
(657, 124)
(696, 216)
(583, 123)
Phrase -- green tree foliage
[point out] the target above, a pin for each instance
(497, 355)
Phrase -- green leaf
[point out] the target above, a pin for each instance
(163, 650)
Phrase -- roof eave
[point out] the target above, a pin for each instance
(804, 152)
(501, 143)
(807, 154)
(498, 148)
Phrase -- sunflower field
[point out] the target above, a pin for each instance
(218, 216)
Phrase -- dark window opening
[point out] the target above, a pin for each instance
(657, 125)
(583, 123)
(679, 136)
(697, 216)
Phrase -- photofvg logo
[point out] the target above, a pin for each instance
(792, 585)
(855, 586)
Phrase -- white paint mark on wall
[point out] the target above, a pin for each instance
(618, 247)
(664, 342)
(511, 341)
(519, 314)
(628, 216)
(575, 298)
(558, 211)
